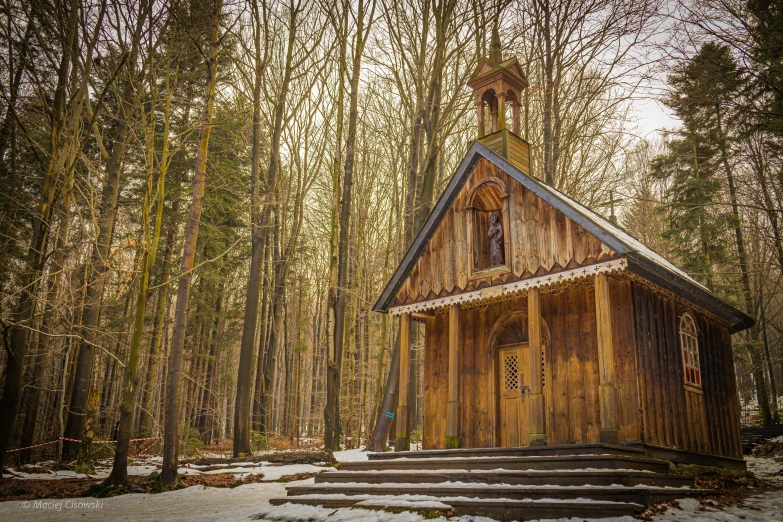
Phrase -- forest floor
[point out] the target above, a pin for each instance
(241, 491)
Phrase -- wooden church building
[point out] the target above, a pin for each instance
(547, 324)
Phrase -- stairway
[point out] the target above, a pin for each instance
(585, 480)
(752, 437)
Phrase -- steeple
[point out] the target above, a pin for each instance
(495, 53)
(495, 83)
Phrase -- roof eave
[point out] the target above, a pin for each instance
(428, 229)
(640, 265)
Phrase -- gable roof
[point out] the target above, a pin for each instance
(510, 65)
(642, 260)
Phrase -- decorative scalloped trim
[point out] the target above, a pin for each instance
(494, 292)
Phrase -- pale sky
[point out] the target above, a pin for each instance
(653, 117)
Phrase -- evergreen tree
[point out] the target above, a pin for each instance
(766, 28)
(692, 163)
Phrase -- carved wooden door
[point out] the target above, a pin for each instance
(513, 393)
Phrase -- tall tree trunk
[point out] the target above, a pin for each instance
(332, 409)
(25, 308)
(380, 435)
(151, 239)
(263, 337)
(549, 176)
(244, 395)
(755, 356)
(772, 385)
(100, 261)
(271, 189)
(333, 383)
(162, 302)
(173, 397)
(161, 310)
(44, 339)
(214, 346)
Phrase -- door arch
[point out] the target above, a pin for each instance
(511, 353)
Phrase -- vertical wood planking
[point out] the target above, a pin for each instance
(624, 342)
(606, 365)
(435, 384)
(452, 415)
(536, 399)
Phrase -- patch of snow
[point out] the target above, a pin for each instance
(761, 508)
(197, 503)
(766, 468)
(351, 455)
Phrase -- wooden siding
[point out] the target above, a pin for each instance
(624, 342)
(542, 240)
(672, 415)
(571, 388)
(436, 381)
(510, 146)
(571, 367)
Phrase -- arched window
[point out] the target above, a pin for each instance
(689, 342)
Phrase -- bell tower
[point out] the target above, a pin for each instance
(496, 83)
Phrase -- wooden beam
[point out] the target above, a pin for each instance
(501, 110)
(536, 397)
(452, 411)
(402, 442)
(480, 114)
(607, 392)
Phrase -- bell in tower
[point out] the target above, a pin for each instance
(495, 83)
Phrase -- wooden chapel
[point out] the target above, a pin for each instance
(546, 323)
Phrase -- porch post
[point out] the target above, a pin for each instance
(402, 442)
(452, 411)
(607, 393)
(536, 397)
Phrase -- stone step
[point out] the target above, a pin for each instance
(531, 478)
(522, 451)
(499, 509)
(603, 462)
(643, 495)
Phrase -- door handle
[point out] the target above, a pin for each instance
(524, 391)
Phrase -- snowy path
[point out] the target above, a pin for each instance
(196, 503)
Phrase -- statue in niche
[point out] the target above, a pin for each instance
(495, 233)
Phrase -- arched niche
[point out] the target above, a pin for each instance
(487, 198)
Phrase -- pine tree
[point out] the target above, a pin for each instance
(704, 90)
(696, 227)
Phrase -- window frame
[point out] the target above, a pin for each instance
(689, 347)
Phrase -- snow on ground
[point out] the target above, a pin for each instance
(761, 508)
(239, 469)
(251, 501)
(196, 503)
(351, 455)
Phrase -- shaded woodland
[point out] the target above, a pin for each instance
(201, 201)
